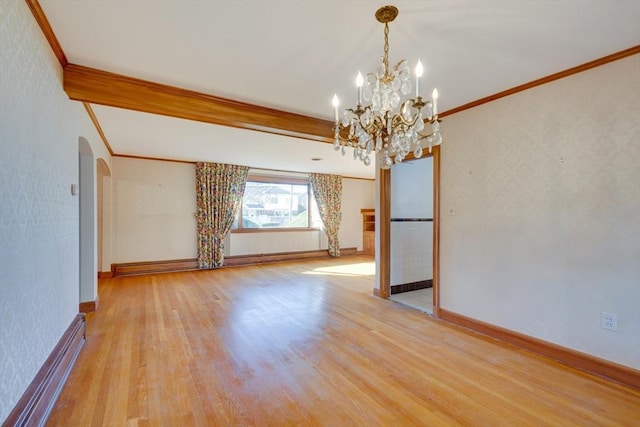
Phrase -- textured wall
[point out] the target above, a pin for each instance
(541, 211)
(39, 131)
(154, 206)
(356, 194)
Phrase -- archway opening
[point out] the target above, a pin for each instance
(103, 200)
(88, 289)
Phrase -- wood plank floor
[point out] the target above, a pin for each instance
(308, 344)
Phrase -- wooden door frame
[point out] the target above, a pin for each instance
(385, 231)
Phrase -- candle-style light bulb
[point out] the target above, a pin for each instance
(434, 96)
(359, 83)
(336, 102)
(419, 71)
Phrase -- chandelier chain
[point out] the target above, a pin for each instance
(386, 50)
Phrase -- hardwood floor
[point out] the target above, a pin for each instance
(308, 344)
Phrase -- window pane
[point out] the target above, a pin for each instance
(274, 205)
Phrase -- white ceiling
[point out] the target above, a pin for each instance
(293, 55)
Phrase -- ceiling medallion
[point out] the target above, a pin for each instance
(387, 124)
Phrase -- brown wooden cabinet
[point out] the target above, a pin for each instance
(368, 231)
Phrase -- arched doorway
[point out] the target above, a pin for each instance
(103, 217)
(88, 292)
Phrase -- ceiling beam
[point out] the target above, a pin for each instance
(115, 90)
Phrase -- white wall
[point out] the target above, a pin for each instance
(154, 215)
(412, 189)
(154, 205)
(356, 194)
(411, 252)
(273, 242)
(540, 195)
(39, 228)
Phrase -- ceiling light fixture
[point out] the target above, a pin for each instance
(386, 125)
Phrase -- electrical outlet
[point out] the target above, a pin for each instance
(609, 321)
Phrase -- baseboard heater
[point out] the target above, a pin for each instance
(413, 286)
(152, 267)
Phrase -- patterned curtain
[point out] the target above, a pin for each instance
(219, 190)
(327, 189)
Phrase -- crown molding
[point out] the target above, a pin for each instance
(115, 90)
(46, 29)
(547, 79)
(96, 123)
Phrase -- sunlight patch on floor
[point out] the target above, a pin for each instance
(359, 269)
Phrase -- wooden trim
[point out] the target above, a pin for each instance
(385, 229)
(89, 306)
(158, 159)
(385, 233)
(46, 29)
(193, 162)
(413, 286)
(94, 119)
(153, 267)
(190, 264)
(376, 292)
(547, 79)
(36, 403)
(115, 90)
(575, 359)
(238, 260)
(436, 231)
(105, 274)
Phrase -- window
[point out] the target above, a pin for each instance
(271, 202)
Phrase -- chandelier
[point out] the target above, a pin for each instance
(386, 124)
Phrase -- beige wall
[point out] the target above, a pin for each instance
(540, 228)
(39, 228)
(154, 215)
(154, 205)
